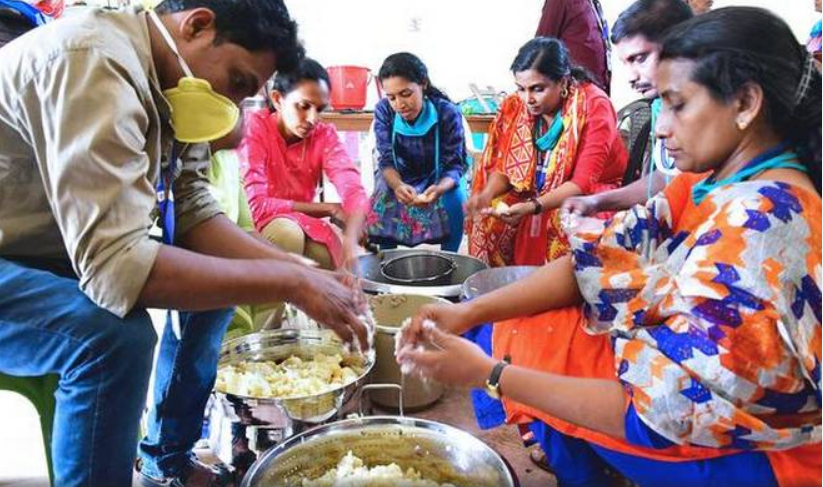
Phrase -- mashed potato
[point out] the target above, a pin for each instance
(352, 472)
(293, 377)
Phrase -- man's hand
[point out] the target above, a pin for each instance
(580, 206)
(329, 299)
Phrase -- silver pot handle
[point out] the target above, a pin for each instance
(371, 387)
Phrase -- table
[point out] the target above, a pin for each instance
(361, 121)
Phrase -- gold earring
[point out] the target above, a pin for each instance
(564, 93)
(741, 125)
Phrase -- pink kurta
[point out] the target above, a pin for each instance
(277, 175)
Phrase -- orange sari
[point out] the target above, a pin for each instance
(589, 152)
(557, 342)
(510, 151)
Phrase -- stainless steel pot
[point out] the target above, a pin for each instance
(489, 280)
(414, 271)
(418, 269)
(389, 311)
(439, 452)
(262, 422)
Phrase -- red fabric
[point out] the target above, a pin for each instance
(602, 160)
(798, 467)
(575, 23)
(599, 166)
(276, 175)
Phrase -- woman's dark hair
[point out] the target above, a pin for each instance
(307, 70)
(549, 57)
(736, 46)
(257, 25)
(650, 18)
(408, 66)
(285, 82)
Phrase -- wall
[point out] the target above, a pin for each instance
(461, 41)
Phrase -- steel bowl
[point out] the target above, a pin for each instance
(489, 280)
(417, 272)
(279, 345)
(441, 453)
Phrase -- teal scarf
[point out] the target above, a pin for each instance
(419, 128)
(775, 158)
(546, 143)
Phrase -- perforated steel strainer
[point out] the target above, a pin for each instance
(439, 452)
(279, 345)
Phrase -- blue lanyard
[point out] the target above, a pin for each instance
(165, 195)
(775, 158)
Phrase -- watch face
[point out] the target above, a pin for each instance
(492, 391)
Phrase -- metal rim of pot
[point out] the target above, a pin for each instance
(393, 330)
(386, 265)
(377, 287)
(405, 426)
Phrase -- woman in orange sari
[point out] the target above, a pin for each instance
(681, 342)
(556, 138)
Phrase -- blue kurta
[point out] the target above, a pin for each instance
(414, 159)
(415, 155)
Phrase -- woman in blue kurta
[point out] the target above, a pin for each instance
(419, 189)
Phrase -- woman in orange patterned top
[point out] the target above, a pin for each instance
(681, 342)
(556, 138)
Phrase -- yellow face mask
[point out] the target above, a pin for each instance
(198, 113)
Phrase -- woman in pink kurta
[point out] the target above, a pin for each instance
(286, 152)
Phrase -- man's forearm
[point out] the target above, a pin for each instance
(637, 193)
(181, 279)
(219, 237)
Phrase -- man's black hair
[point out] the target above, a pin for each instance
(650, 18)
(257, 25)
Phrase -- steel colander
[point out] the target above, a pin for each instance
(439, 452)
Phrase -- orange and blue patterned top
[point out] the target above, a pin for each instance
(714, 310)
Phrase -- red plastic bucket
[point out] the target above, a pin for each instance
(349, 85)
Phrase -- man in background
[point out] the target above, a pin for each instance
(582, 27)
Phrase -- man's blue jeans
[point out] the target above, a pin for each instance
(185, 375)
(47, 325)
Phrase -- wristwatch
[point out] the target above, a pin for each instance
(538, 208)
(493, 382)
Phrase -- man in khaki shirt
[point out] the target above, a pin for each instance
(84, 127)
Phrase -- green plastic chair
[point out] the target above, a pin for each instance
(40, 392)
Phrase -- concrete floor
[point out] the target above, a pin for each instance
(24, 464)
